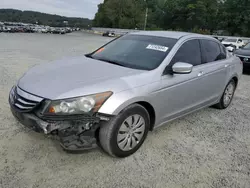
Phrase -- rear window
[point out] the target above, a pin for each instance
(136, 51)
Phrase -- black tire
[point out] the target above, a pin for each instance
(109, 131)
(221, 104)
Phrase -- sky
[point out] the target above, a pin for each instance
(70, 8)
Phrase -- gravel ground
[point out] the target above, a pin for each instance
(209, 148)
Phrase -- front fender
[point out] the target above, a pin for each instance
(117, 102)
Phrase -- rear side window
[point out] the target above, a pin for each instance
(189, 52)
(211, 51)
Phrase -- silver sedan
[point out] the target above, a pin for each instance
(132, 85)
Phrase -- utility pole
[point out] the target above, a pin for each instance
(146, 17)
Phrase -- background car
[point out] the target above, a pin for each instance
(7, 29)
(28, 30)
(44, 30)
(109, 34)
(68, 30)
(233, 43)
(244, 55)
(57, 30)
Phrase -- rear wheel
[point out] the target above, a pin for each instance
(125, 133)
(227, 96)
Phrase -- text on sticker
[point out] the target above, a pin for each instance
(157, 47)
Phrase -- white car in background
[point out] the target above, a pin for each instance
(44, 30)
(6, 29)
(233, 43)
(37, 29)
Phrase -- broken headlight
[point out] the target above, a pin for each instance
(78, 105)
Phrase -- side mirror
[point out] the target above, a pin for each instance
(182, 68)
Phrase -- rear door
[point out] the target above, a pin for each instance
(214, 68)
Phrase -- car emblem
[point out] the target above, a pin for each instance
(245, 59)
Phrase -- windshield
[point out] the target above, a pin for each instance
(136, 51)
(247, 46)
(230, 40)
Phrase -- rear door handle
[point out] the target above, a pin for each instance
(200, 73)
(226, 65)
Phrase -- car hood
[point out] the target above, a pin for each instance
(77, 77)
(244, 52)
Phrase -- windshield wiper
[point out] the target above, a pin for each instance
(105, 60)
(89, 56)
(109, 61)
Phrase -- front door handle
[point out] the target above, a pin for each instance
(200, 73)
(226, 65)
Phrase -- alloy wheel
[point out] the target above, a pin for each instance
(228, 95)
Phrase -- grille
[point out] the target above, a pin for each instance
(226, 45)
(81, 118)
(24, 101)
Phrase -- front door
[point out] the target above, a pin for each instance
(183, 93)
(180, 93)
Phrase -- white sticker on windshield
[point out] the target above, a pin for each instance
(157, 47)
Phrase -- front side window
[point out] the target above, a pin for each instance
(136, 51)
(189, 52)
(211, 51)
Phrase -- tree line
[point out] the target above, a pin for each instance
(230, 17)
(13, 15)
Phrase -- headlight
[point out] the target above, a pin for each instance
(79, 105)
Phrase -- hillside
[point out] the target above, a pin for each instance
(13, 15)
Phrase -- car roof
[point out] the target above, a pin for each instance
(169, 34)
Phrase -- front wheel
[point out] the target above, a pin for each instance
(227, 96)
(125, 133)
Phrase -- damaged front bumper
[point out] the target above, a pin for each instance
(75, 132)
